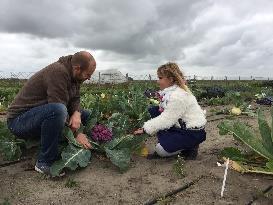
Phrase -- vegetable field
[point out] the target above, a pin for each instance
(239, 128)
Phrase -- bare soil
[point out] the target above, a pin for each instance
(102, 183)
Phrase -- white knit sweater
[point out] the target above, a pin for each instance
(181, 104)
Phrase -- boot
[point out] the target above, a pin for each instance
(154, 155)
(190, 154)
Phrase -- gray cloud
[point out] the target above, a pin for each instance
(227, 36)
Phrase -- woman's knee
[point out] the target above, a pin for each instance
(162, 152)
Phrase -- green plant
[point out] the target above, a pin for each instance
(179, 167)
(262, 146)
(165, 200)
(6, 202)
(215, 101)
(234, 98)
(9, 144)
(118, 150)
(71, 183)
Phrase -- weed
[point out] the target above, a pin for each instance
(71, 183)
(179, 168)
(165, 200)
(5, 202)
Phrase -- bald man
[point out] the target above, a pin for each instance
(46, 102)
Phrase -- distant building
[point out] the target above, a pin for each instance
(112, 76)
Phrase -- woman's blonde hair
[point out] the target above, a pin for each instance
(171, 70)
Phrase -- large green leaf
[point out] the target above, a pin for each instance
(119, 157)
(57, 167)
(72, 157)
(233, 154)
(265, 131)
(248, 168)
(96, 146)
(243, 133)
(119, 150)
(70, 136)
(126, 141)
(225, 127)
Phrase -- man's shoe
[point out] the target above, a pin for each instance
(190, 154)
(44, 168)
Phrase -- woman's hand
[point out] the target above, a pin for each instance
(82, 139)
(139, 131)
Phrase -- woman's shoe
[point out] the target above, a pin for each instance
(190, 154)
(153, 155)
(156, 156)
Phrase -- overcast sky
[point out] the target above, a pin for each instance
(205, 37)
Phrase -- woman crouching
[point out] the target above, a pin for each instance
(178, 121)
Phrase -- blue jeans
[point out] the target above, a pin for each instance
(47, 122)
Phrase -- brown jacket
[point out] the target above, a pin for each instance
(52, 84)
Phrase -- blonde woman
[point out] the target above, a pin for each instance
(178, 121)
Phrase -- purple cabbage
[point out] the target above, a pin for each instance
(101, 133)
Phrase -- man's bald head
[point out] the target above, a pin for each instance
(83, 59)
(84, 65)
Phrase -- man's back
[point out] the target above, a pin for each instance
(53, 83)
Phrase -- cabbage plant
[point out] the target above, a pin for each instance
(119, 148)
(261, 143)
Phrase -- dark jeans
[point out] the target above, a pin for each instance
(174, 139)
(47, 122)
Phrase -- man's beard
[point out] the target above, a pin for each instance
(79, 79)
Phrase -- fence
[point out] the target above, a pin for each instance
(196, 77)
(102, 78)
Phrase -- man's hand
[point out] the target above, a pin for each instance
(82, 139)
(139, 131)
(75, 121)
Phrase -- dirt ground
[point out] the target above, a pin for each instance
(102, 183)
